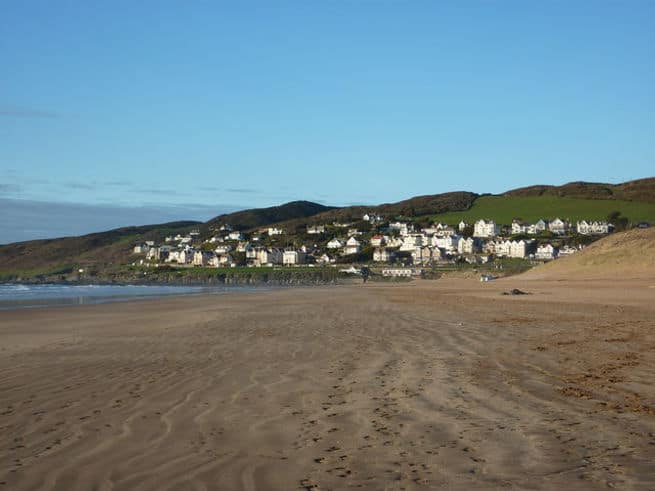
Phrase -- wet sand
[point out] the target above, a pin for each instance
(442, 384)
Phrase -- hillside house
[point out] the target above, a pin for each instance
(202, 258)
(461, 226)
(377, 240)
(335, 244)
(546, 252)
(446, 242)
(468, 246)
(353, 246)
(486, 228)
(142, 248)
(223, 249)
(315, 229)
(559, 226)
(291, 257)
(265, 256)
(383, 255)
(274, 231)
(593, 228)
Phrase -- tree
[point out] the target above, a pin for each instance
(620, 222)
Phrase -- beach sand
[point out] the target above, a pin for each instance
(426, 385)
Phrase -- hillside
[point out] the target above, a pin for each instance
(627, 255)
(259, 217)
(639, 190)
(504, 208)
(104, 248)
(413, 207)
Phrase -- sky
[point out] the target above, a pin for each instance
(128, 111)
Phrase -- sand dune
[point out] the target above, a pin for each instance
(419, 386)
(629, 254)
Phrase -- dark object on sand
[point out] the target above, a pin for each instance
(516, 291)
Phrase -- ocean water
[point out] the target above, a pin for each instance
(18, 296)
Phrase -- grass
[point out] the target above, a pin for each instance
(503, 209)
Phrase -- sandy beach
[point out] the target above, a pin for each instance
(426, 385)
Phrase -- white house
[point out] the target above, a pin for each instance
(293, 257)
(521, 248)
(274, 231)
(426, 255)
(383, 255)
(142, 248)
(335, 244)
(202, 258)
(353, 246)
(315, 229)
(559, 226)
(325, 259)
(223, 249)
(412, 241)
(593, 228)
(377, 240)
(546, 252)
(447, 242)
(461, 226)
(467, 246)
(235, 236)
(541, 226)
(269, 256)
(486, 228)
(519, 227)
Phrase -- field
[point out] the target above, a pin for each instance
(505, 208)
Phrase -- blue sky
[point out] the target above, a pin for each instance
(212, 106)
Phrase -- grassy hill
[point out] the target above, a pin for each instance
(638, 190)
(413, 207)
(102, 249)
(504, 208)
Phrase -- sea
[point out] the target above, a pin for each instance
(25, 296)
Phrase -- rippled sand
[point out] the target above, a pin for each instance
(444, 384)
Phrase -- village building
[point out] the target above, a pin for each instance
(202, 258)
(266, 256)
(467, 246)
(377, 240)
(486, 228)
(353, 246)
(383, 255)
(222, 249)
(315, 229)
(235, 236)
(461, 226)
(593, 228)
(142, 248)
(446, 242)
(559, 227)
(292, 257)
(426, 255)
(546, 252)
(335, 244)
(274, 231)
(411, 241)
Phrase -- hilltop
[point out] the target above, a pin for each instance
(637, 190)
(627, 254)
(259, 217)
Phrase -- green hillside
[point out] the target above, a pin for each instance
(504, 209)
